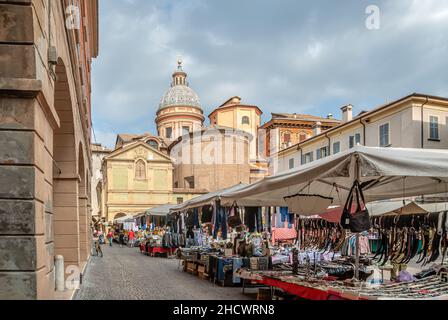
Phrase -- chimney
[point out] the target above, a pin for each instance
(317, 128)
(347, 113)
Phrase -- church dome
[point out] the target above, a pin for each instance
(180, 93)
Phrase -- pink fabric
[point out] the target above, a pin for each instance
(334, 215)
(283, 234)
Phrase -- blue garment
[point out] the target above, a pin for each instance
(217, 222)
(223, 212)
(284, 213)
(196, 218)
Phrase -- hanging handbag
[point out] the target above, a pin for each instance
(346, 212)
(360, 220)
(234, 219)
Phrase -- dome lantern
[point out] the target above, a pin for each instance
(180, 93)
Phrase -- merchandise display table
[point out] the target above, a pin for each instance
(152, 251)
(431, 288)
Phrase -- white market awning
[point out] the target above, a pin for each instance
(125, 219)
(385, 173)
(206, 199)
(161, 211)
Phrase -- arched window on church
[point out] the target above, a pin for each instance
(303, 136)
(140, 170)
(153, 143)
(287, 137)
(245, 120)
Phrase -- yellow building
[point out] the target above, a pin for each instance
(138, 177)
(233, 114)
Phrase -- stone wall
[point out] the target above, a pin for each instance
(33, 132)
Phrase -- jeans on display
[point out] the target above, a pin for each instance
(196, 218)
(220, 221)
(250, 218)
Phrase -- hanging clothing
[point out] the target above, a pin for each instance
(207, 214)
(284, 214)
(250, 218)
(196, 218)
(220, 222)
(259, 221)
(224, 223)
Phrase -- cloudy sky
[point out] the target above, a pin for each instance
(283, 55)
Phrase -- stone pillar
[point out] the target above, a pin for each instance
(26, 137)
(66, 220)
(84, 229)
(60, 273)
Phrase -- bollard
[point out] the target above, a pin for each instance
(60, 273)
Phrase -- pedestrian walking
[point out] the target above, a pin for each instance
(131, 238)
(110, 237)
(97, 244)
(121, 239)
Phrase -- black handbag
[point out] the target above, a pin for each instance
(235, 220)
(360, 220)
(346, 212)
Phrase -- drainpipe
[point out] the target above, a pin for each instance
(422, 133)
(329, 144)
(301, 154)
(364, 131)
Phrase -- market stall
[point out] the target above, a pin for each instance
(157, 238)
(375, 174)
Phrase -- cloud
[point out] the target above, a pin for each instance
(284, 56)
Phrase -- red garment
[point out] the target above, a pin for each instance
(131, 235)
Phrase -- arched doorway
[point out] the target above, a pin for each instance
(65, 178)
(119, 215)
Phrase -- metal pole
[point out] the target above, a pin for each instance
(357, 257)
(357, 251)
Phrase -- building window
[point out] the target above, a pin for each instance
(185, 130)
(287, 137)
(140, 170)
(190, 182)
(303, 137)
(384, 135)
(354, 140)
(307, 158)
(176, 185)
(291, 163)
(153, 144)
(433, 128)
(336, 147)
(321, 153)
(357, 139)
(169, 133)
(180, 200)
(245, 120)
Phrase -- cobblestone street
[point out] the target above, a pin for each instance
(126, 274)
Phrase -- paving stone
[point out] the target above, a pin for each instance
(126, 274)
